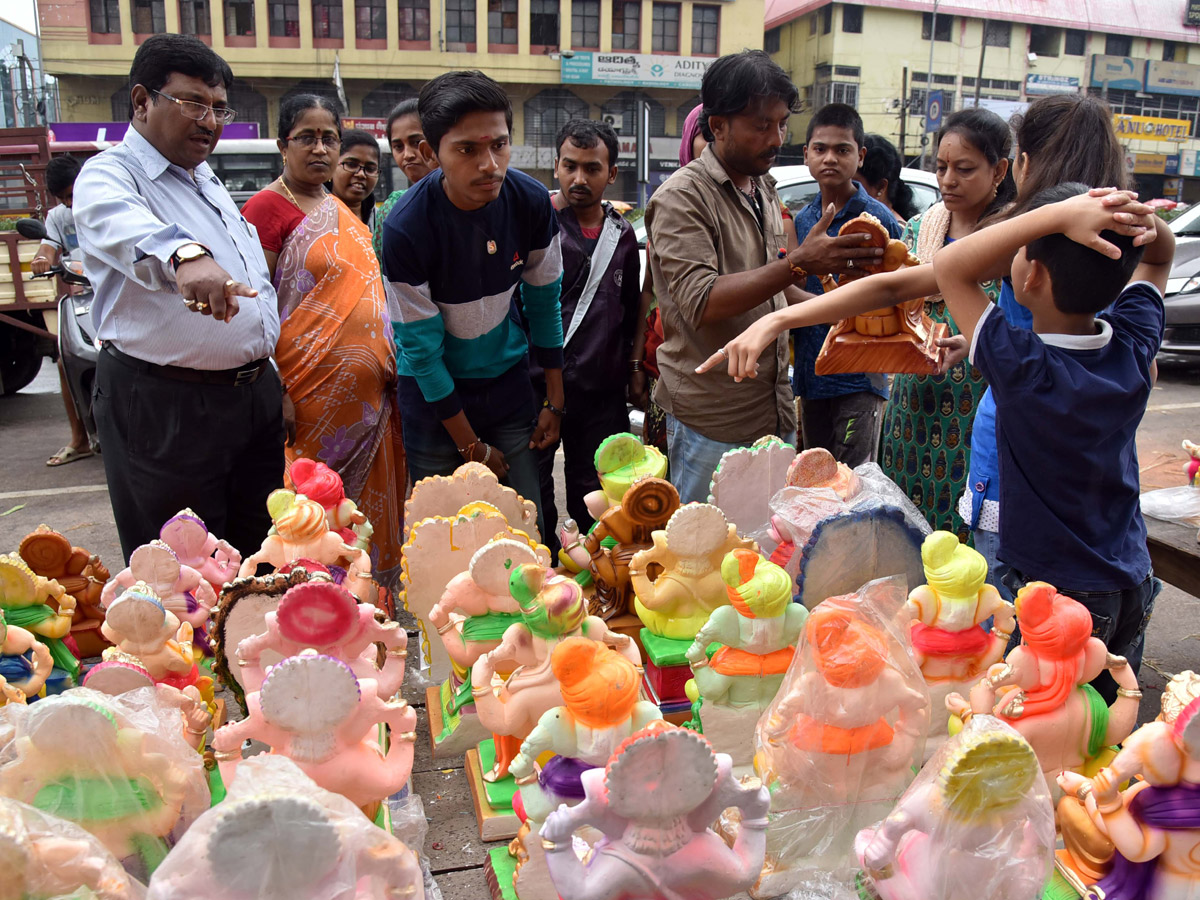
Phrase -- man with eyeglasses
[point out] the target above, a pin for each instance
(187, 402)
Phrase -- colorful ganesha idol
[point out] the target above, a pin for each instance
(141, 628)
(25, 663)
(24, 599)
(188, 537)
(80, 574)
(319, 483)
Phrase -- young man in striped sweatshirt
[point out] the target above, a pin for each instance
(455, 249)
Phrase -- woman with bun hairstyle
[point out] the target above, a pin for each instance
(880, 175)
(1061, 138)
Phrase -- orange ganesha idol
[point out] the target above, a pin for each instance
(892, 339)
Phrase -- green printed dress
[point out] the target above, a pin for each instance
(925, 446)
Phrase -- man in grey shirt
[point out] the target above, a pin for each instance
(187, 402)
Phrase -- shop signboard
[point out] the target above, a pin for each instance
(1038, 84)
(1149, 128)
(1192, 15)
(1119, 72)
(372, 126)
(1189, 163)
(1173, 188)
(1149, 163)
(1172, 78)
(634, 70)
(1172, 167)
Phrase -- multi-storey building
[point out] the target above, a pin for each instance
(557, 58)
(1144, 57)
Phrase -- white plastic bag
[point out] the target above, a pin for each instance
(1174, 504)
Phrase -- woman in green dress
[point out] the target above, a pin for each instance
(926, 442)
(412, 155)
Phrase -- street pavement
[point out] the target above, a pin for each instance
(74, 500)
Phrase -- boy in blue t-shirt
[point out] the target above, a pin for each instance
(455, 249)
(1070, 395)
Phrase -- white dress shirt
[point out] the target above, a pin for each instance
(133, 209)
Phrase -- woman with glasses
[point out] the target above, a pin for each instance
(335, 352)
(357, 173)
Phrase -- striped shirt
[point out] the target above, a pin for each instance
(133, 209)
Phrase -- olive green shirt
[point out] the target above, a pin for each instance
(700, 226)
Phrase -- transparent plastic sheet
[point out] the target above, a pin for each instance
(410, 826)
(1174, 504)
(976, 822)
(117, 766)
(842, 544)
(45, 857)
(839, 742)
(277, 836)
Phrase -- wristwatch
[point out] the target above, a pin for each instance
(187, 253)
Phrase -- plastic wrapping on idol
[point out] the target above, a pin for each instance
(117, 766)
(838, 744)
(977, 822)
(43, 857)
(831, 546)
(278, 836)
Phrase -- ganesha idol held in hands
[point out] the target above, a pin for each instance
(302, 532)
(1043, 689)
(757, 631)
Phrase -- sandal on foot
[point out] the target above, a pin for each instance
(69, 455)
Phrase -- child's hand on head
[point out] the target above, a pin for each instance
(1118, 201)
(1085, 216)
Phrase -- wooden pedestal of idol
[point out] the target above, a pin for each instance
(492, 800)
(913, 349)
(499, 871)
(451, 734)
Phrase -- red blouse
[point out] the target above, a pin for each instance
(275, 217)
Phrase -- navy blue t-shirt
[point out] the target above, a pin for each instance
(1067, 413)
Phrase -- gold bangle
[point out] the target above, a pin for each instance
(1084, 791)
(227, 755)
(1133, 694)
(527, 779)
(549, 845)
(479, 691)
(400, 654)
(1003, 635)
(407, 736)
(200, 733)
(444, 628)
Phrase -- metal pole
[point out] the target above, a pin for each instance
(903, 109)
(982, 54)
(929, 79)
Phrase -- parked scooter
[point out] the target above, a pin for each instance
(77, 344)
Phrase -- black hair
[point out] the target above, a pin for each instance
(883, 161)
(356, 137)
(452, 95)
(585, 134)
(990, 135)
(61, 173)
(296, 105)
(837, 115)
(1081, 279)
(736, 80)
(403, 108)
(160, 55)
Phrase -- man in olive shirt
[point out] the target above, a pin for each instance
(716, 232)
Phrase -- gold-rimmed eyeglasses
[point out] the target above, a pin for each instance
(199, 111)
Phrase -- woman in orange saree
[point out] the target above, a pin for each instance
(335, 352)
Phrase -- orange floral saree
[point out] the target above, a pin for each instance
(336, 356)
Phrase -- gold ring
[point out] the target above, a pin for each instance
(200, 307)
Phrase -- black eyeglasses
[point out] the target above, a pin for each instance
(308, 141)
(199, 112)
(353, 166)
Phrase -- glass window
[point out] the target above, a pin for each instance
(836, 92)
(502, 21)
(547, 112)
(826, 15)
(370, 20)
(771, 40)
(285, 18)
(997, 34)
(945, 24)
(627, 25)
(193, 18)
(414, 20)
(239, 18)
(1168, 51)
(327, 18)
(1045, 41)
(625, 106)
(543, 23)
(664, 35)
(149, 17)
(706, 29)
(460, 21)
(852, 17)
(106, 16)
(585, 23)
(1117, 44)
(1075, 42)
(812, 25)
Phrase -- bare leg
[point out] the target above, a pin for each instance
(79, 437)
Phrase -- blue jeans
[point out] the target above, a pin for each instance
(988, 543)
(1119, 618)
(502, 415)
(693, 459)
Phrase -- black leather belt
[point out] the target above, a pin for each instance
(239, 377)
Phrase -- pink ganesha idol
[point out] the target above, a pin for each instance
(181, 590)
(193, 545)
(324, 617)
(141, 628)
(315, 711)
(1043, 688)
(814, 468)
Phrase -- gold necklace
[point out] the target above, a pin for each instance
(291, 196)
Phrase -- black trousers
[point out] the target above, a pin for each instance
(168, 444)
(591, 417)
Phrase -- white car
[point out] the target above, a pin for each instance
(797, 188)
